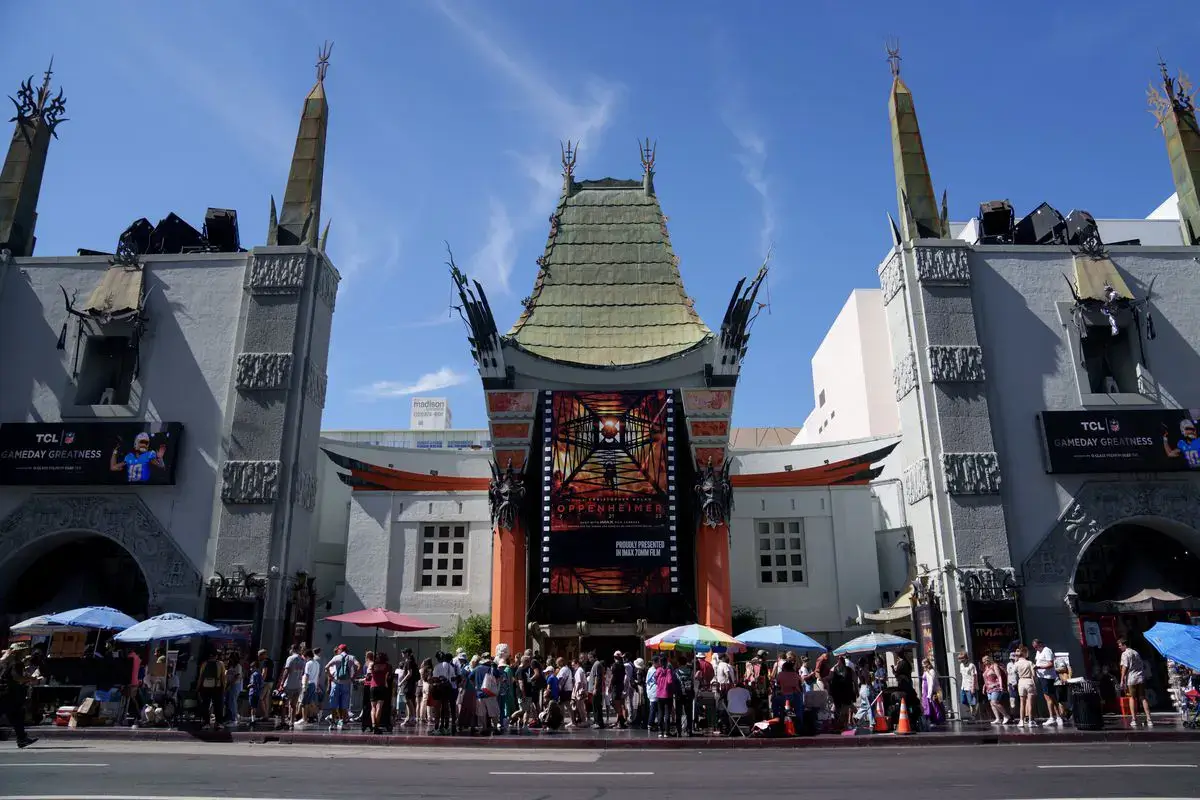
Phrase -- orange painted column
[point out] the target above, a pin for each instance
(508, 587)
(713, 590)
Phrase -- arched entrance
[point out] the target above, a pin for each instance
(1122, 556)
(72, 571)
(114, 540)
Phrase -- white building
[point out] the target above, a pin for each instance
(852, 376)
(810, 557)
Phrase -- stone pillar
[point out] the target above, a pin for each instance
(273, 418)
(713, 593)
(508, 586)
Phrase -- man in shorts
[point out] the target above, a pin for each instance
(1133, 680)
(1043, 662)
(342, 670)
(292, 681)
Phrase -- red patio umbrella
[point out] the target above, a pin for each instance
(381, 618)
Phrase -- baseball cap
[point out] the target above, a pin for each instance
(341, 648)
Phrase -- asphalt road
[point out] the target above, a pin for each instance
(187, 771)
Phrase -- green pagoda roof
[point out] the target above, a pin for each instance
(608, 289)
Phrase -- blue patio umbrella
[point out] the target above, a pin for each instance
(95, 617)
(873, 643)
(1180, 643)
(165, 626)
(779, 637)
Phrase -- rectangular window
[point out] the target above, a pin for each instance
(105, 371)
(780, 550)
(821, 399)
(443, 562)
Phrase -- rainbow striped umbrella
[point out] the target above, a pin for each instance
(695, 637)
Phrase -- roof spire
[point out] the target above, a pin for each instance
(648, 151)
(919, 217)
(300, 216)
(1174, 108)
(893, 57)
(38, 114)
(323, 61)
(569, 154)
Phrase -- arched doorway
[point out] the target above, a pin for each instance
(1130, 576)
(65, 537)
(72, 571)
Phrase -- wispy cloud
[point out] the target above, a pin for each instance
(347, 206)
(556, 116)
(444, 378)
(752, 148)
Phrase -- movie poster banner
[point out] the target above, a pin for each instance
(609, 486)
(89, 453)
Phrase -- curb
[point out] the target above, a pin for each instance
(564, 742)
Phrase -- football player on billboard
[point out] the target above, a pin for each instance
(1188, 446)
(138, 462)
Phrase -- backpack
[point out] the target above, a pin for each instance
(210, 676)
(685, 680)
(344, 670)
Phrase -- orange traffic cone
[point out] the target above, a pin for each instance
(902, 726)
(881, 723)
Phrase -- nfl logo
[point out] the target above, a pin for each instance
(1114, 426)
(68, 438)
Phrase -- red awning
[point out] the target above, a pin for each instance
(382, 618)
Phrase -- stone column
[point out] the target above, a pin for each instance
(508, 586)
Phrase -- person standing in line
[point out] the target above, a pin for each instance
(1026, 686)
(993, 687)
(310, 689)
(1010, 674)
(406, 688)
(1043, 662)
(444, 686)
(665, 688)
(685, 697)
(267, 668)
(292, 680)
(618, 689)
(254, 691)
(930, 704)
(364, 690)
(579, 693)
(724, 676)
(342, 670)
(1133, 681)
(596, 687)
(566, 688)
(234, 678)
(652, 694)
(968, 684)
(379, 682)
(210, 689)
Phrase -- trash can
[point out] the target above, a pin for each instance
(1086, 708)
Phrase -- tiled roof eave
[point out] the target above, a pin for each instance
(510, 341)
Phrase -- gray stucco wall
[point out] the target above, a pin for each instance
(192, 302)
(1030, 367)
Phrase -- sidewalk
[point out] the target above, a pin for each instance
(1116, 729)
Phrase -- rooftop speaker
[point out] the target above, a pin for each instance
(1082, 230)
(173, 235)
(137, 236)
(221, 230)
(1043, 225)
(996, 222)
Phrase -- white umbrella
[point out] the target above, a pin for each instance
(38, 626)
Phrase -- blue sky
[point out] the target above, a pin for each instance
(446, 117)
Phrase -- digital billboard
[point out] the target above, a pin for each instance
(1151, 440)
(89, 453)
(609, 482)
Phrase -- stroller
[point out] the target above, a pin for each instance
(1190, 709)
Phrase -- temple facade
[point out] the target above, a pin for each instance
(160, 404)
(610, 481)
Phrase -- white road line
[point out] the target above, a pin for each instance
(4, 765)
(566, 774)
(1116, 766)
